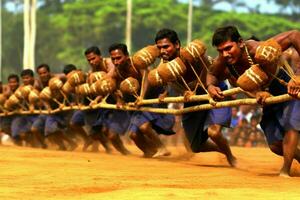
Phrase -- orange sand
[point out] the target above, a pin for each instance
(27, 173)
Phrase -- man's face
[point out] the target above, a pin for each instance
(118, 58)
(44, 74)
(93, 59)
(27, 80)
(168, 51)
(230, 51)
(13, 84)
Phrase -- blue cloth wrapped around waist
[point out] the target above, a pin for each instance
(118, 121)
(281, 117)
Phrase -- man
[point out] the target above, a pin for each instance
(97, 63)
(9, 89)
(94, 119)
(12, 86)
(280, 122)
(77, 120)
(76, 124)
(53, 125)
(141, 128)
(21, 124)
(195, 123)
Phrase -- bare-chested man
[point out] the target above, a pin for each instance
(280, 122)
(196, 124)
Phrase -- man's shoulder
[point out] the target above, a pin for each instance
(218, 62)
(252, 45)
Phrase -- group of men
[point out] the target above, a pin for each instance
(237, 58)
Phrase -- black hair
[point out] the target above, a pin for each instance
(119, 46)
(68, 68)
(43, 66)
(13, 76)
(253, 37)
(27, 72)
(167, 33)
(224, 34)
(92, 49)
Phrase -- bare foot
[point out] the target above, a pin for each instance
(162, 152)
(284, 173)
(232, 161)
(107, 150)
(149, 153)
(87, 144)
(73, 146)
(125, 152)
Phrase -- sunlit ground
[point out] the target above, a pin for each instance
(27, 173)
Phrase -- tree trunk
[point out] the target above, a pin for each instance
(26, 33)
(128, 24)
(32, 34)
(29, 33)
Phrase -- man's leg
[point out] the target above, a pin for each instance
(53, 128)
(117, 142)
(55, 139)
(149, 132)
(143, 144)
(101, 134)
(215, 133)
(76, 125)
(290, 142)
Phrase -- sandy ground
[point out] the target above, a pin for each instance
(27, 173)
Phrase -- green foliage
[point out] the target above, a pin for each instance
(261, 26)
(12, 43)
(65, 28)
(150, 16)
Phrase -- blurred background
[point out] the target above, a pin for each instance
(57, 32)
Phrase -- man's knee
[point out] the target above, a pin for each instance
(34, 130)
(214, 131)
(145, 127)
(133, 135)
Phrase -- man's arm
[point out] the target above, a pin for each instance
(7, 91)
(110, 68)
(288, 39)
(144, 84)
(213, 78)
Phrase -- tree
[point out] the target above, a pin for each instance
(29, 33)
(248, 24)
(128, 24)
(293, 5)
